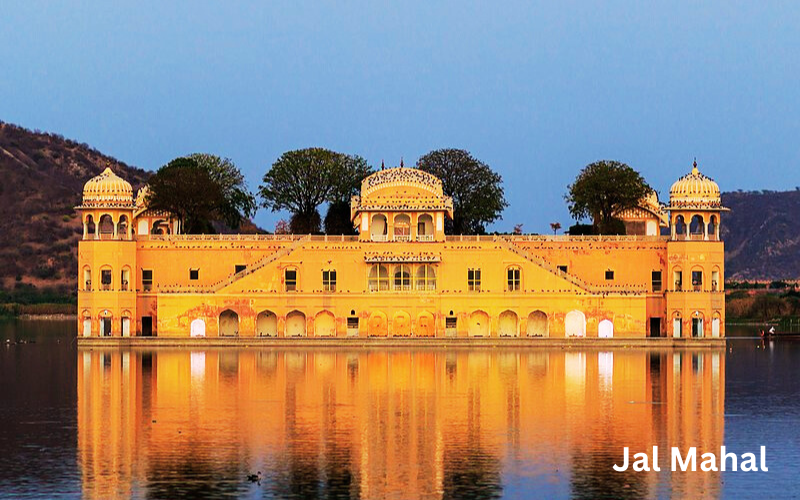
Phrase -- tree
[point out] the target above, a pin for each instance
(477, 190)
(351, 170)
(555, 226)
(301, 180)
(184, 188)
(239, 202)
(602, 190)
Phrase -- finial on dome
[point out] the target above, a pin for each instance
(401, 162)
(694, 167)
(382, 167)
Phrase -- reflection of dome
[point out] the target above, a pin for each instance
(694, 190)
(107, 189)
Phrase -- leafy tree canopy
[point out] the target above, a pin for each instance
(477, 190)
(186, 189)
(301, 180)
(239, 202)
(602, 190)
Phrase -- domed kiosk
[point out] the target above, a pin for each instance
(695, 205)
(107, 207)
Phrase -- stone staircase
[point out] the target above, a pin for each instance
(255, 266)
(549, 267)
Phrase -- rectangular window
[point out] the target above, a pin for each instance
(105, 279)
(474, 280)
(239, 268)
(513, 281)
(147, 279)
(402, 277)
(194, 274)
(450, 323)
(290, 280)
(609, 275)
(656, 281)
(352, 324)
(563, 269)
(697, 280)
(329, 281)
(677, 277)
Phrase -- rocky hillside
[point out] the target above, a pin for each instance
(762, 235)
(42, 180)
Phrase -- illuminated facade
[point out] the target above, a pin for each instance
(401, 276)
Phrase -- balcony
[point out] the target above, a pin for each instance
(402, 237)
(379, 237)
(424, 237)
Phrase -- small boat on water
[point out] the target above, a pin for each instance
(772, 333)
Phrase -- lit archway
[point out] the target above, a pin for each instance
(507, 324)
(425, 327)
(198, 328)
(538, 325)
(377, 326)
(267, 324)
(401, 324)
(295, 324)
(228, 323)
(324, 324)
(575, 324)
(605, 330)
(479, 324)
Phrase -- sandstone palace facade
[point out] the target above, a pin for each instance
(401, 276)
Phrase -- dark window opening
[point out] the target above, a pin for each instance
(352, 323)
(474, 280)
(147, 326)
(329, 281)
(290, 280)
(609, 275)
(147, 279)
(697, 280)
(105, 279)
(656, 281)
(513, 279)
(194, 274)
(239, 268)
(563, 269)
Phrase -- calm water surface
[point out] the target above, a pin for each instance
(386, 424)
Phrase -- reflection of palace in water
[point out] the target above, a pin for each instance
(401, 424)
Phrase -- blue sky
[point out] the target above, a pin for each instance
(536, 90)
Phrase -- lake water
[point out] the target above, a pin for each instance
(417, 423)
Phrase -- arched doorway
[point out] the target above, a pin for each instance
(90, 228)
(697, 325)
(122, 227)
(507, 324)
(677, 325)
(605, 330)
(697, 227)
(575, 324)
(106, 226)
(295, 324)
(87, 324)
(716, 324)
(377, 326)
(324, 324)
(267, 324)
(426, 327)
(198, 328)
(538, 325)
(125, 324)
(228, 324)
(401, 324)
(479, 324)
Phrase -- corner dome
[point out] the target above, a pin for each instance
(107, 189)
(695, 190)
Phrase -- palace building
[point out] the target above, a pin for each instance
(401, 276)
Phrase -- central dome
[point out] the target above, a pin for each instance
(107, 189)
(694, 190)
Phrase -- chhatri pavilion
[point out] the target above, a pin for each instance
(401, 276)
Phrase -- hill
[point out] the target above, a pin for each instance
(762, 235)
(43, 176)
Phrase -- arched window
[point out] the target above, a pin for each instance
(106, 226)
(90, 228)
(680, 228)
(425, 228)
(713, 228)
(697, 227)
(677, 279)
(105, 278)
(715, 283)
(402, 227)
(122, 227)
(513, 278)
(402, 277)
(125, 277)
(426, 277)
(87, 278)
(378, 278)
(378, 228)
(697, 279)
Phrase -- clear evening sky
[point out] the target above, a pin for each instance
(536, 90)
